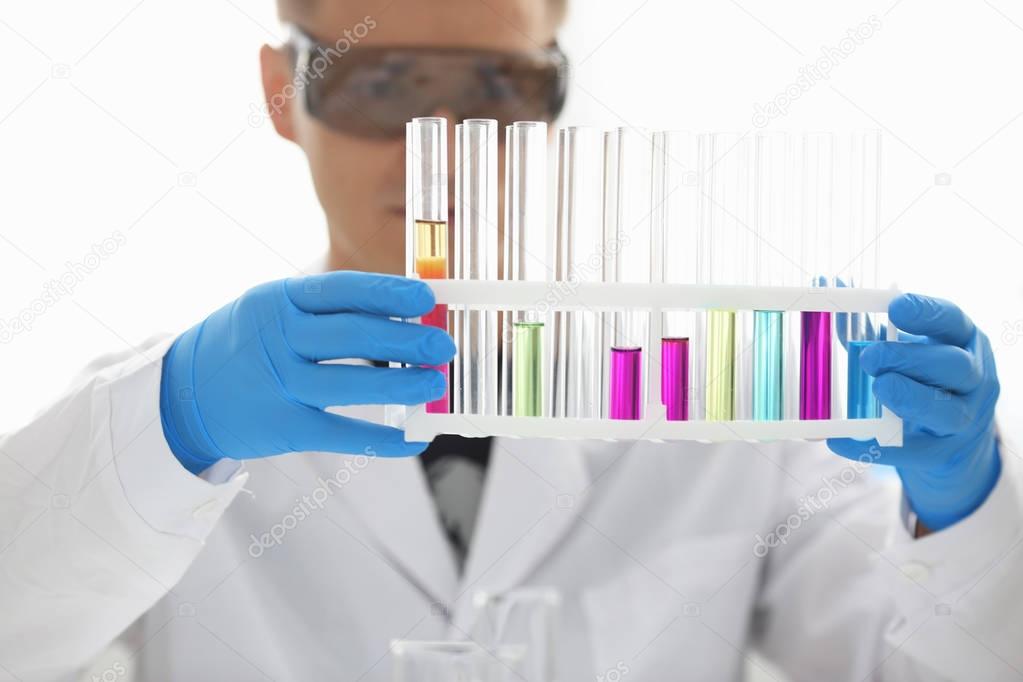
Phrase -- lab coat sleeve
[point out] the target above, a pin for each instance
(98, 520)
(850, 594)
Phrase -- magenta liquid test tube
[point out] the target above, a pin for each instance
(675, 378)
(815, 366)
(626, 383)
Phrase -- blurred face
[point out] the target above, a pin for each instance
(360, 180)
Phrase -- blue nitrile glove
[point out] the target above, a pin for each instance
(245, 383)
(943, 385)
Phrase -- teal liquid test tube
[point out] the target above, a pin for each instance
(767, 365)
(862, 211)
(773, 239)
(862, 404)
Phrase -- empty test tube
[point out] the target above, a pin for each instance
(579, 247)
(476, 250)
(427, 224)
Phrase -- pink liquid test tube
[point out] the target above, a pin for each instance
(815, 366)
(675, 378)
(626, 383)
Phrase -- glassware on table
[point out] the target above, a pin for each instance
(522, 624)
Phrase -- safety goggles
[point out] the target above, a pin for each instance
(373, 91)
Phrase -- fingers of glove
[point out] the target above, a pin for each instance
(364, 292)
(919, 450)
(938, 365)
(354, 335)
(326, 385)
(315, 430)
(934, 409)
(866, 451)
(933, 317)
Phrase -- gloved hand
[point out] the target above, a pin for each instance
(245, 383)
(941, 380)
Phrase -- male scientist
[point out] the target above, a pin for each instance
(192, 511)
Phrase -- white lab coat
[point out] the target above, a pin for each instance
(654, 548)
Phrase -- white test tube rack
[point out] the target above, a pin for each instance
(655, 299)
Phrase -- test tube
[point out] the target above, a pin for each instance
(626, 400)
(627, 165)
(863, 256)
(774, 266)
(674, 228)
(526, 257)
(426, 238)
(580, 251)
(476, 250)
(725, 260)
(527, 363)
(815, 394)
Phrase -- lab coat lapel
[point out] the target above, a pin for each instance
(534, 491)
(392, 498)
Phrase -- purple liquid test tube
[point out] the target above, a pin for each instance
(815, 366)
(626, 380)
(675, 378)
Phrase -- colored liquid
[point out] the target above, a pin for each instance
(527, 369)
(431, 262)
(432, 267)
(675, 378)
(626, 383)
(861, 401)
(720, 396)
(815, 366)
(767, 365)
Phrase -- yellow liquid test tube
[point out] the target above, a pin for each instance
(720, 397)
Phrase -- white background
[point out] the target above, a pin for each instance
(110, 113)
(107, 114)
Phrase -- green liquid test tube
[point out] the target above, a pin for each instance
(527, 369)
(720, 365)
